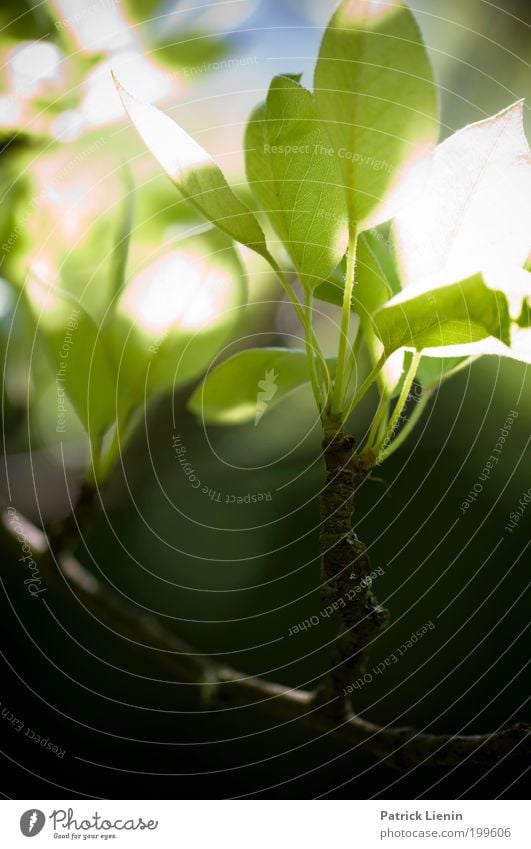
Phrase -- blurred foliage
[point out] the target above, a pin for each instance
(232, 577)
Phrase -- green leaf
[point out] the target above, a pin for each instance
(295, 176)
(194, 52)
(86, 272)
(376, 282)
(24, 20)
(143, 11)
(83, 366)
(433, 371)
(524, 319)
(174, 316)
(375, 91)
(118, 262)
(376, 277)
(17, 193)
(373, 286)
(456, 315)
(194, 172)
(248, 384)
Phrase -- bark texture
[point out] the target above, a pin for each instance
(346, 569)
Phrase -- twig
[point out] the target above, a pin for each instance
(222, 687)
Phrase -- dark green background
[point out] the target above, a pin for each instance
(233, 580)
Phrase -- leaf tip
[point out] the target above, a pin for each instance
(356, 11)
(117, 84)
(126, 97)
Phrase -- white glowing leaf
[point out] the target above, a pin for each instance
(194, 172)
(472, 213)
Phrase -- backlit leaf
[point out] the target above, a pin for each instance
(444, 320)
(472, 213)
(83, 365)
(174, 316)
(248, 384)
(194, 172)
(376, 94)
(295, 176)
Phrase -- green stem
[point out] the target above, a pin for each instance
(379, 417)
(364, 388)
(407, 429)
(303, 316)
(288, 289)
(465, 364)
(400, 404)
(354, 353)
(383, 424)
(93, 472)
(311, 352)
(125, 429)
(342, 355)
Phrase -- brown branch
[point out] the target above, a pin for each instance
(346, 572)
(221, 686)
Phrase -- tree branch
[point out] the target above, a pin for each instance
(222, 687)
(346, 571)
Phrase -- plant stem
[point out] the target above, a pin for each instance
(93, 473)
(364, 388)
(288, 289)
(125, 429)
(346, 570)
(465, 364)
(220, 687)
(407, 429)
(311, 353)
(400, 404)
(379, 418)
(305, 321)
(342, 354)
(356, 346)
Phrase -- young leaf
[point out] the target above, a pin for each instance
(83, 367)
(118, 263)
(375, 285)
(194, 172)
(376, 278)
(175, 315)
(433, 371)
(248, 384)
(472, 215)
(375, 91)
(296, 178)
(458, 315)
(376, 282)
(524, 319)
